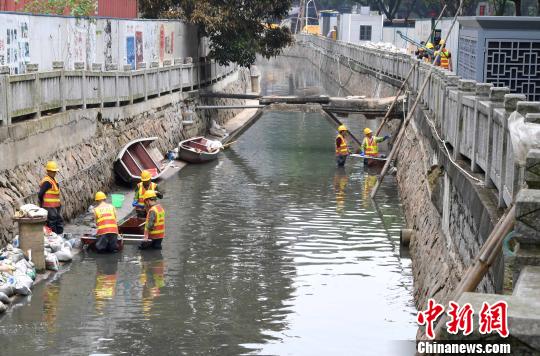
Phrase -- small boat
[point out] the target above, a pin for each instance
(137, 156)
(130, 230)
(198, 150)
(371, 161)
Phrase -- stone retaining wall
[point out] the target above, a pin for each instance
(85, 144)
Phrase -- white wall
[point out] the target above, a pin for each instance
(349, 27)
(44, 39)
(390, 35)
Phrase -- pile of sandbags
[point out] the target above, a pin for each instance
(57, 249)
(31, 211)
(16, 274)
(383, 46)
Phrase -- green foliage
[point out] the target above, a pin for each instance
(78, 8)
(238, 30)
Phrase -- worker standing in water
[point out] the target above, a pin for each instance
(49, 198)
(370, 144)
(143, 186)
(106, 225)
(154, 230)
(342, 149)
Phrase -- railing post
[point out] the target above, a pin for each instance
(510, 105)
(464, 87)
(167, 67)
(114, 67)
(482, 93)
(178, 62)
(189, 61)
(527, 226)
(5, 100)
(496, 98)
(142, 66)
(98, 67)
(127, 68)
(34, 68)
(155, 64)
(80, 66)
(59, 66)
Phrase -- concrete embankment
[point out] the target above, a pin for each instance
(85, 143)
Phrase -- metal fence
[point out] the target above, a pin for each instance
(31, 94)
(471, 117)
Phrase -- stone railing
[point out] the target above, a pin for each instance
(471, 117)
(34, 93)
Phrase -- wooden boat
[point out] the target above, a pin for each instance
(378, 162)
(197, 150)
(130, 230)
(137, 156)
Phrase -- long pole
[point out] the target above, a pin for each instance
(383, 122)
(484, 260)
(411, 112)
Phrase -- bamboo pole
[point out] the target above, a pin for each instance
(404, 84)
(411, 112)
(485, 259)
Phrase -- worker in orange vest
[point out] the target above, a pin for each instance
(142, 187)
(154, 230)
(106, 225)
(370, 144)
(445, 57)
(49, 198)
(342, 149)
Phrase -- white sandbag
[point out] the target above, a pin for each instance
(7, 289)
(23, 285)
(51, 262)
(64, 255)
(4, 298)
(3, 308)
(523, 135)
(32, 211)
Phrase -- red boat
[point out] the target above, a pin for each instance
(137, 156)
(130, 230)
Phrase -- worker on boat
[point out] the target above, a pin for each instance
(49, 198)
(106, 225)
(143, 186)
(370, 144)
(154, 230)
(444, 59)
(342, 149)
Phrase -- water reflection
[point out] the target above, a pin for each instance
(105, 286)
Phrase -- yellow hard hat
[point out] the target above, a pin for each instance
(367, 131)
(441, 42)
(146, 176)
(342, 128)
(52, 166)
(429, 45)
(100, 196)
(149, 194)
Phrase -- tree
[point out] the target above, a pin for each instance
(500, 7)
(389, 7)
(62, 7)
(238, 30)
(517, 4)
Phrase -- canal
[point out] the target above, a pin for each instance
(269, 250)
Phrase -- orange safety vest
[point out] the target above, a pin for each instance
(371, 148)
(158, 231)
(342, 149)
(140, 187)
(51, 198)
(105, 220)
(444, 59)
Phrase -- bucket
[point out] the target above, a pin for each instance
(117, 200)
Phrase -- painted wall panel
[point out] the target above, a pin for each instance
(44, 39)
